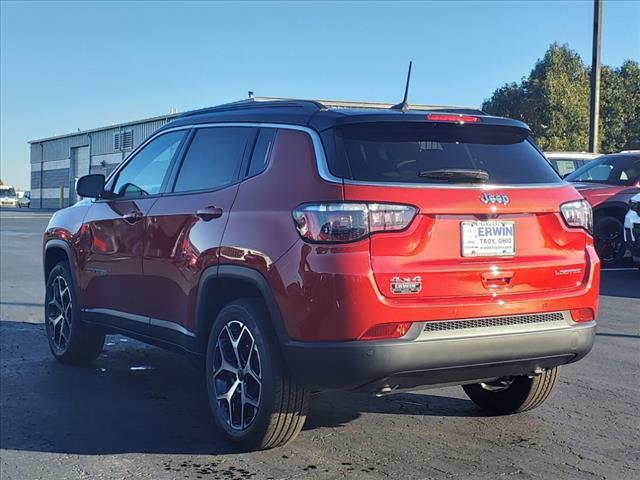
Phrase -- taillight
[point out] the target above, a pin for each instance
(348, 222)
(386, 330)
(578, 214)
(455, 118)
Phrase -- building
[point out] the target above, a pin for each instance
(56, 162)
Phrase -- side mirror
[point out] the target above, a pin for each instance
(90, 186)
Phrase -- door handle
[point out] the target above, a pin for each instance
(132, 217)
(209, 213)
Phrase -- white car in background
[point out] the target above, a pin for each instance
(567, 162)
(632, 228)
(8, 197)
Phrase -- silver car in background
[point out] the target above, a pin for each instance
(567, 162)
(24, 200)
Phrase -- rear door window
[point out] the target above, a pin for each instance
(214, 158)
(401, 152)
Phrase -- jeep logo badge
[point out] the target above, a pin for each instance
(487, 198)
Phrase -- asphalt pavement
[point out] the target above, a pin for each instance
(141, 413)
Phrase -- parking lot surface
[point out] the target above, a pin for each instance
(141, 412)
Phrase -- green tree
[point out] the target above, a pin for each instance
(629, 72)
(554, 101)
(613, 135)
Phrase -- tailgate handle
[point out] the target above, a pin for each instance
(497, 280)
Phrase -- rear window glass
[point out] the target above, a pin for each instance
(401, 152)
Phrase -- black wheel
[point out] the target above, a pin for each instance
(608, 236)
(513, 394)
(70, 340)
(253, 398)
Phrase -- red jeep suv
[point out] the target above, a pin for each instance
(293, 247)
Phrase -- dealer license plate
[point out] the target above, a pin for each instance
(488, 239)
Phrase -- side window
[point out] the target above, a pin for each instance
(630, 173)
(262, 151)
(565, 167)
(599, 173)
(213, 159)
(143, 175)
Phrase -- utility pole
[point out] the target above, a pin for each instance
(594, 113)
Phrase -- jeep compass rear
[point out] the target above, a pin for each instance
(346, 248)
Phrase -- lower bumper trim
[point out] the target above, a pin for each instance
(368, 365)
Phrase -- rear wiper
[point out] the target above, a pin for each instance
(456, 174)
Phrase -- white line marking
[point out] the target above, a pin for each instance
(24, 216)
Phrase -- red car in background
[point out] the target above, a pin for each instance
(608, 183)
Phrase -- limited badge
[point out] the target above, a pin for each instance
(406, 285)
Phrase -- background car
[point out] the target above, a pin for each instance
(25, 200)
(608, 183)
(8, 197)
(632, 228)
(568, 162)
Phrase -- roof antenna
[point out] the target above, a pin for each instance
(404, 106)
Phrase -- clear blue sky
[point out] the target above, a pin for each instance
(75, 65)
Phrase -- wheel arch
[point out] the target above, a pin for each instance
(611, 209)
(222, 284)
(56, 251)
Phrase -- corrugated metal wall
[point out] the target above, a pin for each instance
(48, 168)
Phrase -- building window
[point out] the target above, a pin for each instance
(123, 140)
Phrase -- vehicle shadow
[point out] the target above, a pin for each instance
(140, 399)
(620, 283)
(335, 409)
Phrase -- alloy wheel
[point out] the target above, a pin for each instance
(237, 377)
(608, 240)
(59, 315)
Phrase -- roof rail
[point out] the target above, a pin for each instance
(266, 102)
(255, 103)
(340, 104)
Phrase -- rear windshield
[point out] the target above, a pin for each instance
(400, 152)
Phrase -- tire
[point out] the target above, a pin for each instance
(608, 236)
(70, 340)
(276, 407)
(520, 395)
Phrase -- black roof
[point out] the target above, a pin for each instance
(316, 115)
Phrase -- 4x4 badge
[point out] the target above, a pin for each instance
(406, 285)
(492, 198)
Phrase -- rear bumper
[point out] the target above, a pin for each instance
(419, 361)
